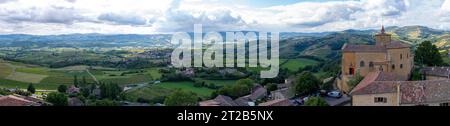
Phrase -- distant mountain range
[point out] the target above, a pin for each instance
(292, 44)
(85, 40)
(328, 45)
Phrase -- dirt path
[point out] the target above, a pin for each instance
(93, 77)
(13, 70)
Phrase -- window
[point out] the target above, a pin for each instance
(393, 66)
(407, 56)
(401, 66)
(361, 64)
(401, 56)
(370, 64)
(443, 104)
(380, 100)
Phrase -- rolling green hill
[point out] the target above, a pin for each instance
(328, 45)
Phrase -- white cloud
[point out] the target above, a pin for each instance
(179, 17)
(152, 16)
(125, 19)
(446, 6)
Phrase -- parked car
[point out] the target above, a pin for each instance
(334, 94)
(305, 99)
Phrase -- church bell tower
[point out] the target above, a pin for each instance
(382, 38)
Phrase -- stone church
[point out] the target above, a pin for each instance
(386, 55)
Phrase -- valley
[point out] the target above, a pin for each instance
(140, 64)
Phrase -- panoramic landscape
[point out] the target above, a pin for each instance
(140, 67)
(348, 53)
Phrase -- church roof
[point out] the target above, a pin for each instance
(363, 48)
(397, 44)
(375, 48)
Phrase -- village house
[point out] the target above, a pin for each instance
(388, 89)
(258, 93)
(284, 93)
(73, 90)
(435, 73)
(386, 55)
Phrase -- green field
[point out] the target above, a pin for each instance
(446, 60)
(121, 77)
(157, 93)
(4, 83)
(188, 86)
(218, 82)
(295, 64)
(19, 75)
(66, 77)
(26, 77)
(5, 70)
(33, 70)
(150, 93)
(15, 74)
(154, 72)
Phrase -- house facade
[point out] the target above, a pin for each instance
(386, 55)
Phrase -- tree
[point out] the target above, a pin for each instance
(428, 54)
(241, 88)
(83, 81)
(62, 88)
(75, 81)
(57, 99)
(306, 83)
(181, 98)
(110, 90)
(31, 89)
(353, 82)
(316, 101)
(272, 87)
(105, 102)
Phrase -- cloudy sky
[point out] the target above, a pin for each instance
(166, 16)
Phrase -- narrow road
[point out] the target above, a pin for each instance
(13, 70)
(93, 77)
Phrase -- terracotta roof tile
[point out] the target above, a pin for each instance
(397, 44)
(220, 100)
(277, 102)
(436, 71)
(363, 48)
(377, 82)
(430, 91)
(11, 100)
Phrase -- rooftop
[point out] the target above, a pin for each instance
(377, 82)
(364, 48)
(220, 100)
(410, 92)
(431, 91)
(12, 100)
(277, 102)
(436, 71)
